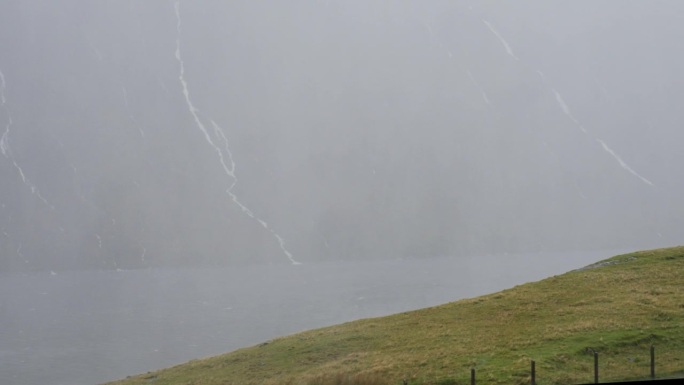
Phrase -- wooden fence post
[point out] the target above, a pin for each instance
(596, 368)
(652, 362)
(472, 376)
(534, 374)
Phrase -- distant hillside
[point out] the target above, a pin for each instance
(618, 307)
(139, 134)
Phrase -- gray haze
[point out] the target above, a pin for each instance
(165, 164)
(78, 327)
(162, 133)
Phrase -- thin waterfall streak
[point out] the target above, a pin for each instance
(621, 162)
(21, 174)
(566, 110)
(4, 140)
(603, 144)
(562, 103)
(3, 85)
(6, 150)
(242, 207)
(219, 132)
(184, 83)
(564, 107)
(450, 55)
(224, 154)
(35, 192)
(503, 41)
(230, 170)
(281, 241)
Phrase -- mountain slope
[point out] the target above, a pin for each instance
(195, 133)
(618, 307)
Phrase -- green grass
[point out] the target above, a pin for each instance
(619, 307)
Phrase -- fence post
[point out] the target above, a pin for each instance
(596, 368)
(652, 362)
(472, 376)
(534, 374)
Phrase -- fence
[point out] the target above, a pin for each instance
(533, 371)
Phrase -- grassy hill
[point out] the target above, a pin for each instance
(619, 307)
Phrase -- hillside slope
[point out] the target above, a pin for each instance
(619, 307)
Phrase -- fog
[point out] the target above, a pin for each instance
(159, 133)
(143, 135)
(74, 327)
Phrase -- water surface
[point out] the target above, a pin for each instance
(71, 328)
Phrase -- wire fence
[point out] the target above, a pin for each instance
(533, 370)
(650, 376)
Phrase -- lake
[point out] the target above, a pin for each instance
(89, 327)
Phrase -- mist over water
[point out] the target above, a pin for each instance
(183, 178)
(91, 327)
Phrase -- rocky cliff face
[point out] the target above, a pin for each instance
(160, 133)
